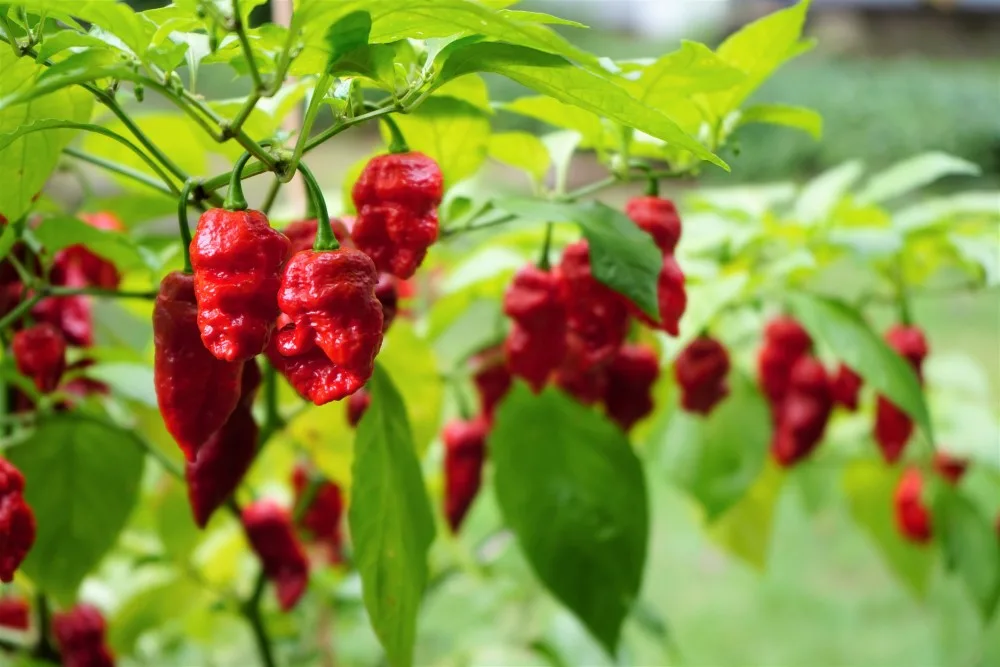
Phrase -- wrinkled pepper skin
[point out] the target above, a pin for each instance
(536, 344)
(893, 427)
(323, 518)
(492, 380)
(658, 218)
(846, 387)
(302, 233)
(804, 413)
(951, 468)
(268, 527)
(913, 518)
(584, 382)
(701, 369)
(196, 391)
(357, 406)
(464, 453)
(387, 294)
(80, 634)
(40, 353)
(15, 613)
(785, 342)
(221, 463)
(237, 259)
(396, 197)
(628, 396)
(327, 349)
(17, 521)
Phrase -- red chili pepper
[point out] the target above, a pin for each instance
(586, 383)
(327, 349)
(893, 427)
(396, 197)
(224, 459)
(596, 315)
(17, 521)
(492, 379)
(269, 528)
(237, 259)
(701, 370)
(846, 387)
(631, 375)
(94, 269)
(804, 413)
(785, 342)
(15, 613)
(464, 453)
(40, 353)
(70, 314)
(952, 468)
(82, 385)
(658, 218)
(388, 296)
(302, 233)
(323, 518)
(671, 298)
(357, 406)
(196, 392)
(536, 344)
(80, 633)
(912, 516)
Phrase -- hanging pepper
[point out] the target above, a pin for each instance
(804, 412)
(701, 370)
(40, 353)
(196, 391)
(15, 613)
(268, 527)
(628, 394)
(220, 464)
(893, 427)
(387, 294)
(596, 315)
(396, 197)
(846, 387)
(327, 349)
(323, 518)
(950, 467)
(302, 233)
(785, 342)
(464, 452)
(94, 269)
(357, 406)
(70, 314)
(671, 298)
(492, 379)
(17, 521)
(536, 344)
(586, 383)
(912, 516)
(80, 634)
(658, 218)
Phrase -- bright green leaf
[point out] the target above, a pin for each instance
(151, 608)
(522, 151)
(66, 39)
(64, 231)
(970, 547)
(116, 18)
(410, 362)
(819, 197)
(163, 129)
(175, 524)
(7, 240)
(82, 67)
(912, 174)
(693, 68)
(558, 114)
(799, 118)
(745, 529)
(132, 381)
(347, 34)
(942, 211)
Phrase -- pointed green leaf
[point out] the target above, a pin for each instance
(522, 151)
(970, 547)
(745, 529)
(64, 231)
(912, 174)
(799, 118)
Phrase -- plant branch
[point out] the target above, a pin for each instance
(100, 292)
(312, 111)
(122, 170)
(252, 612)
(241, 33)
(271, 196)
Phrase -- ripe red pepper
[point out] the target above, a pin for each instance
(631, 375)
(327, 348)
(701, 370)
(237, 259)
(587, 384)
(536, 344)
(302, 233)
(804, 412)
(70, 314)
(785, 342)
(658, 218)
(94, 269)
(80, 633)
(952, 468)
(846, 387)
(596, 315)
(220, 464)
(17, 521)
(396, 197)
(15, 613)
(196, 391)
(357, 406)
(893, 427)
(492, 379)
(912, 516)
(323, 518)
(268, 527)
(40, 353)
(387, 293)
(464, 453)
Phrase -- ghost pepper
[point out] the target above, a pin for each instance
(492, 379)
(951, 468)
(912, 516)
(196, 391)
(387, 294)
(785, 342)
(94, 269)
(596, 315)
(658, 218)
(40, 353)
(464, 453)
(15, 613)
(302, 233)
(396, 197)
(701, 370)
(631, 375)
(804, 413)
(357, 406)
(17, 521)
(893, 427)
(223, 460)
(322, 519)
(671, 298)
(327, 347)
(536, 344)
(70, 314)
(268, 527)
(846, 386)
(80, 634)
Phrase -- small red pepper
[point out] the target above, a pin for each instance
(387, 294)
(671, 298)
(950, 467)
(323, 518)
(17, 521)
(912, 516)
(94, 269)
(196, 391)
(357, 406)
(846, 387)
(536, 344)
(628, 393)
(785, 342)
(804, 412)
(701, 370)
(268, 527)
(40, 353)
(893, 427)
(396, 197)
(658, 218)
(70, 314)
(15, 613)
(80, 634)
(492, 379)
(464, 453)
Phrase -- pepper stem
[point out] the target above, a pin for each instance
(398, 143)
(543, 260)
(325, 239)
(652, 187)
(235, 201)
(182, 221)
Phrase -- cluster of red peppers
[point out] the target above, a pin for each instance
(17, 521)
(700, 370)
(81, 636)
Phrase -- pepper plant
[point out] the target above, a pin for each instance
(269, 418)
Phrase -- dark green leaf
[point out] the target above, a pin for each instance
(843, 331)
(718, 458)
(82, 67)
(347, 34)
(390, 518)
(970, 547)
(82, 480)
(573, 492)
(64, 231)
(556, 77)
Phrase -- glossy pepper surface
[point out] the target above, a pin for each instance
(596, 315)
(804, 412)
(785, 342)
(658, 218)
(17, 521)
(396, 197)
(80, 634)
(268, 527)
(196, 391)
(492, 379)
(15, 613)
(536, 344)
(913, 518)
(846, 386)
(327, 346)
(701, 369)
(464, 453)
(893, 427)
(40, 353)
(323, 517)
(94, 269)
(628, 393)
(237, 259)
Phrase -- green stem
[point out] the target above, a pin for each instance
(902, 296)
(325, 238)
(122, 170)
(398, 142)
(543, 261)
(271, 196)
(272, 417)
(312, 111)
(19, 311)
(101, 292)
(235, 201)
(347, 124)
(44, 649)
(252, 613)
(182, 222)
(9, 34)
(245, 43)
(652, 187)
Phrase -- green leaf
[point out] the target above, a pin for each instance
(64, 231)
(347, 34)
(980, 252)
(745, 529)
(26, 162)
(970, 547)
(693, 68)
(912, 174)
(455, 133)
(717, 458)
(82, 67)
(943, 211)
(799, 118)
(870, 486)
(558, 114)
(65, 39)
(82, 480)
(573, 492)
(847, 335)
(561, 147)
(412, 366)
(556, 77)
(116, 18)
(819, 197)
(132, 381)
(522, 151)
(7, 240)
(175, 525)
(151, 608)
(163, 129)
(390, 519)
